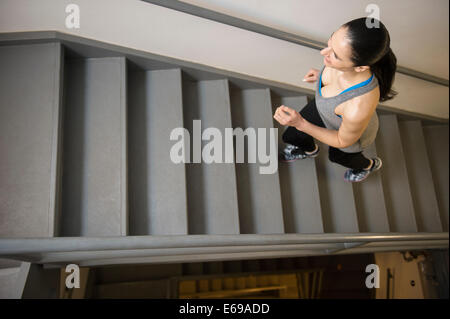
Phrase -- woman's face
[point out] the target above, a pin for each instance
(338, 52)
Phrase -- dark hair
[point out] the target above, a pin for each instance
(371, 46)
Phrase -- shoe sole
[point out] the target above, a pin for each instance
(297, 159)
(381, 164)
(357, 181)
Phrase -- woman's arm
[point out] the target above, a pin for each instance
(349, 132)
(354, 122)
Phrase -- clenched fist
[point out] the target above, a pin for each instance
(311, 76)
(290, 117)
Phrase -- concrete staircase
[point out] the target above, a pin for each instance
(86, 175)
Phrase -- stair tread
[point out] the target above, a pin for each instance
(436, 137)
(94, 164)
(260, 209)
(369, 200)
(211, 187)
(394, 175)
(157, 185)
(30, 104)
(336, 195)
(299, 184)
(420, 177)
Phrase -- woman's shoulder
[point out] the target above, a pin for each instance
(371, 97)
(362, 106)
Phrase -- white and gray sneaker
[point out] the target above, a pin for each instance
(292, 153)
(358, 175)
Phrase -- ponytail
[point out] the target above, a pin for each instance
(384, 70)
(371, 47)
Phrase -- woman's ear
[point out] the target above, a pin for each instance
(361, 68)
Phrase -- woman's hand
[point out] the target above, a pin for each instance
(287, 116)
(311, 76)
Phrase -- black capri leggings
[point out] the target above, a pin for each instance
(306, 143)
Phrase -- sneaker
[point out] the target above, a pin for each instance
(358, 175)
(292, 153)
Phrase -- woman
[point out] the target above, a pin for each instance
(358, 73)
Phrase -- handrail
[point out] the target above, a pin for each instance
(271, 32)
(202, 251)
(13, 246)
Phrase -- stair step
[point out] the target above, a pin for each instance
(336, 195)
(436, 139)
(30, 108)
(157, 185)
(298, 182)
(394, 176)
(94, 199)
(369, 200)
(420, 177)
(211, 187)
(259, 197)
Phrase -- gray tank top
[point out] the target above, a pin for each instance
(326, 106)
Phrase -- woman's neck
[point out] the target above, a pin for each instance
(353, 76)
